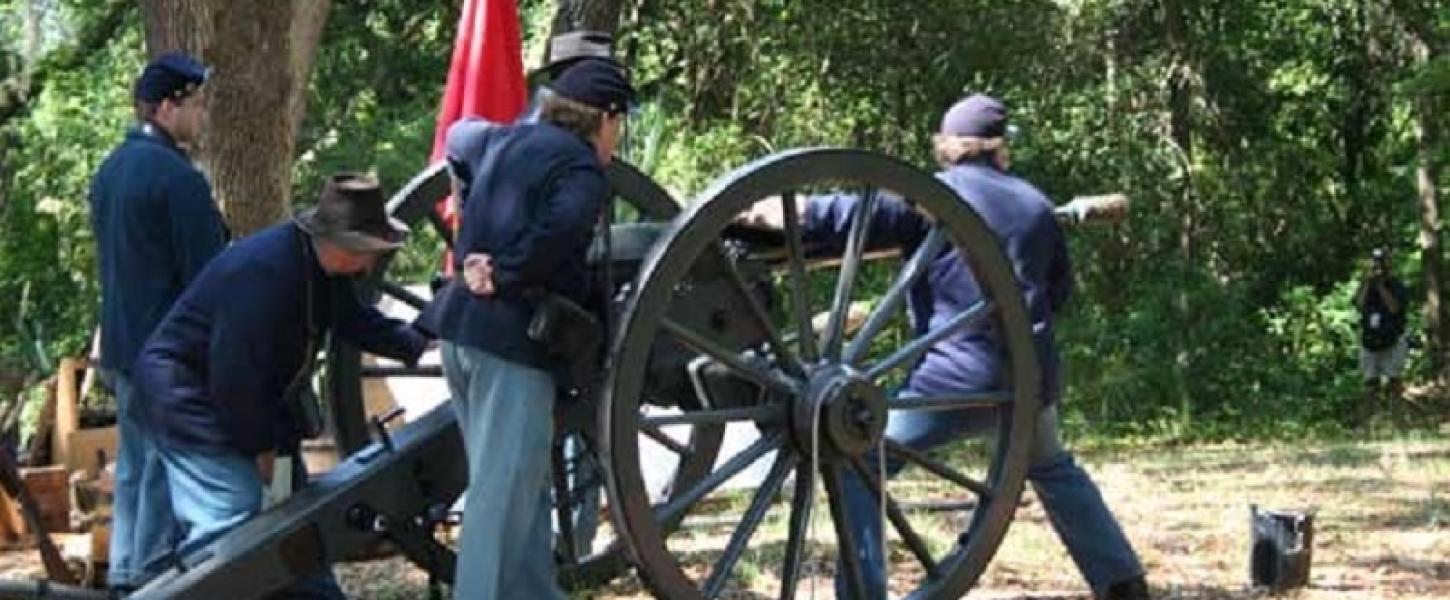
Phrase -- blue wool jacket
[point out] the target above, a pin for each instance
(534, 192)
(156, 226)
(1029, 235)
(214, 372)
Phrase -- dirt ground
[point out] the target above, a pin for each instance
(1382, 527)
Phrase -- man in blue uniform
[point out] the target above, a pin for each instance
(972, 149)
(534, 192)
(156, 226)
(220, 372)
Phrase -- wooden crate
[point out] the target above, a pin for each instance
(67, 407)
(84, 448)
(49, 487)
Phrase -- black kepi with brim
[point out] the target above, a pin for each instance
(596, 82)
(351, 213)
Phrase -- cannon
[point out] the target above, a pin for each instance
(716, 331)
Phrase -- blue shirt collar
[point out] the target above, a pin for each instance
(148, 130)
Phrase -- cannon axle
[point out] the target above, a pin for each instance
(842, 414)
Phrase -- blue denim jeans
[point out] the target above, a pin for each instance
(506, 415)
(1072, 501)
(213, 493)
(142, 527)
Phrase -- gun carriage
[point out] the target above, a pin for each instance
(716, 331)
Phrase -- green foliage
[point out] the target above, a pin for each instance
(48, 289)
(1432, 78)
(1289, 369)
(376, 86)
(1220, 310)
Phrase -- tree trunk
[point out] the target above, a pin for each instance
(586, 15)
(184, 25)
(1427, 174)
(1180, 124)
(6, 142)
(262, 54)
(30, 51)
(1425, 44)
(1352, 41)
(1180, 118)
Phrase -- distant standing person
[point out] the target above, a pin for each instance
(1381, 301)
(156, 226)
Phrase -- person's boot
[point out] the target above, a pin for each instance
(1128, 589)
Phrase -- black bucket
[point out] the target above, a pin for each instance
(1283, 548)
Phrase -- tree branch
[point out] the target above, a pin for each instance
(1420, 21)
(17, 91)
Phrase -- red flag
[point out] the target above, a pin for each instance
(486, 75)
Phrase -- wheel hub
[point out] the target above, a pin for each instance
(844, 408)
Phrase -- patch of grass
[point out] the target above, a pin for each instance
(1382, 527)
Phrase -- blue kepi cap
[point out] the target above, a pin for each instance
(978, 115)
(170, 76)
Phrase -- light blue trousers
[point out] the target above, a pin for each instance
(505, 412)
(1072, 501)
(142, 527)
(214, 493)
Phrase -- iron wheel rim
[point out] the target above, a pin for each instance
(669, 262)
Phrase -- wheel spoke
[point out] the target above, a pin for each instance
(653, 432)
(784, 355)
(891, 301)
(704, 345)
(898, 519)
(901, 451)
(909, 353)
(993, 399)
(798, 282)
(861, 216)
(800, 518)
(758, 414)
(759, 505)
(941, 506)
(847, 546)
(680, 503)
